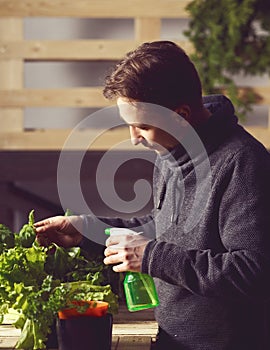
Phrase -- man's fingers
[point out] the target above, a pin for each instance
(44, 228)
(122, 258)
(42, 223)
(124, 267)
(40, 229)
(119, 265)
(112, 240)
(115, 256)
(39, 223)
(111, 260)
(120, 241)
(113, 250)
(119, 268)
(47, 225)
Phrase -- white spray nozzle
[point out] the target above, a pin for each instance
(120, 231)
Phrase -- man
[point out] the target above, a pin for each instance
(210, 255)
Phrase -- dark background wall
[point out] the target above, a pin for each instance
(28, 180)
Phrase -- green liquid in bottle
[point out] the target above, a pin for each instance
(140, 291)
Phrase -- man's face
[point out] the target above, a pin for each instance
(146, 128)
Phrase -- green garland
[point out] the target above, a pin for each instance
(230, 37)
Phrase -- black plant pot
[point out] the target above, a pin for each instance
(52, 342)
(85, 333)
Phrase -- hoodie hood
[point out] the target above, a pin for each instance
(218, 104)
(209, 135)
(222, 115)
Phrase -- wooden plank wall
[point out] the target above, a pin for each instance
(14, 51)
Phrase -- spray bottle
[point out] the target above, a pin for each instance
(139, 288)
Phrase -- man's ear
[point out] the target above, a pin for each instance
(185, 112)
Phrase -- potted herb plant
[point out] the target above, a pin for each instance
(41, 282)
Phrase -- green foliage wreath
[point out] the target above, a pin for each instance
(230, 37)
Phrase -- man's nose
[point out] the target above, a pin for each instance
(134, 135)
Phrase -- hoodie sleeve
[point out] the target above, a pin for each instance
(243, 268)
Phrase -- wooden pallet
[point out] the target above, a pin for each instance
(15, 50)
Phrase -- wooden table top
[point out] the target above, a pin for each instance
(131, 330)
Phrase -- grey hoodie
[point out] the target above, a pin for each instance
(211, 253)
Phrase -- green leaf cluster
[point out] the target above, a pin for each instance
(38, 281)
(230, 37)
(27, 234)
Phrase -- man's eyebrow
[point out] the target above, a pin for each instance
(139, 125)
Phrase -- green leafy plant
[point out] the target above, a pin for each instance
(39, 281)
(230, 37)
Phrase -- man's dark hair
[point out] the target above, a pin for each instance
(158, 72)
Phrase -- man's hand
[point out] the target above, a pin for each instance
(62, 230)
(125, 250)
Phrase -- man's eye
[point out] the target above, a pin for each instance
(144, 127)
